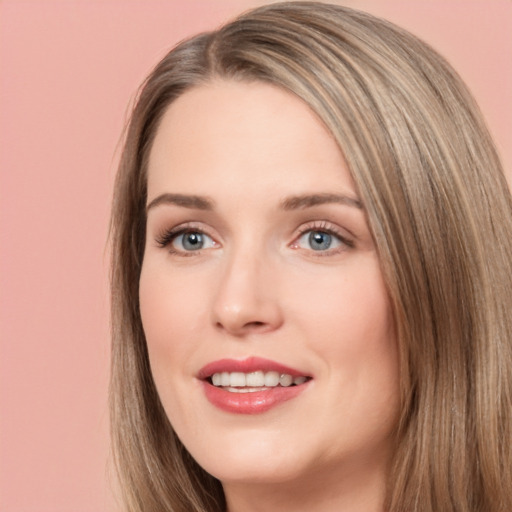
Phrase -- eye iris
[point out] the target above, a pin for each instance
(192, 241)
(319, 240)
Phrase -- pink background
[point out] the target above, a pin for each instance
(68, 69)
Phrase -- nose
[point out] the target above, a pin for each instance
(247, 298)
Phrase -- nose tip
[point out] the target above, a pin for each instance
(238, 322)
(246, 303)
(247, 317)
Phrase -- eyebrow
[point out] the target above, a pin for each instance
(185, 201)
(290, 203)
(310, 200)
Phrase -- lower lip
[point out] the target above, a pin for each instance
(255, 402)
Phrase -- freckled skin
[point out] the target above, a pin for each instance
(260, 286)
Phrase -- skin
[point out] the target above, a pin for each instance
(259, 288)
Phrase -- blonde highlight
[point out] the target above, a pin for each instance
(441, 217)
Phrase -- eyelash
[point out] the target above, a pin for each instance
(328, 228)
(165, 239)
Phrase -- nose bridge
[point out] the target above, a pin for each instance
(245, 300)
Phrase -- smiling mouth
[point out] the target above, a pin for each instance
(239, 382)
(251, 386)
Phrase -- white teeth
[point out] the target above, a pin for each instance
(225, 379)
(242, 390)
(286, 380)
(237, 380)
(271, 379)
(254, 380)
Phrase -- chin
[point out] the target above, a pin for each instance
(250, 457)
(254, 471)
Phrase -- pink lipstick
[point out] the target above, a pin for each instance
(252, 385)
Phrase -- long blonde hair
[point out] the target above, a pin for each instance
(441, 217)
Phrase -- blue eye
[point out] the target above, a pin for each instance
(191, 241)
(319, 240)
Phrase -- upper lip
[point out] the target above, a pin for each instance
(251, 364)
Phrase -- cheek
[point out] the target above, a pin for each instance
(348, 310)
(170, 301)
(156, 307)
(349, 324)
(170, 315)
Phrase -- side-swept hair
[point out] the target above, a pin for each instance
(440, 213)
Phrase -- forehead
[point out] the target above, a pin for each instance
(233, 134)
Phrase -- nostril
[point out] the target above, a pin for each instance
(246, 327)
(255, 326)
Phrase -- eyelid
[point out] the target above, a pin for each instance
(329, 228)
(166, 237)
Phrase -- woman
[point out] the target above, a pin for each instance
(311, 276)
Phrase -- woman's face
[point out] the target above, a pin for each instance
(268, 324)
